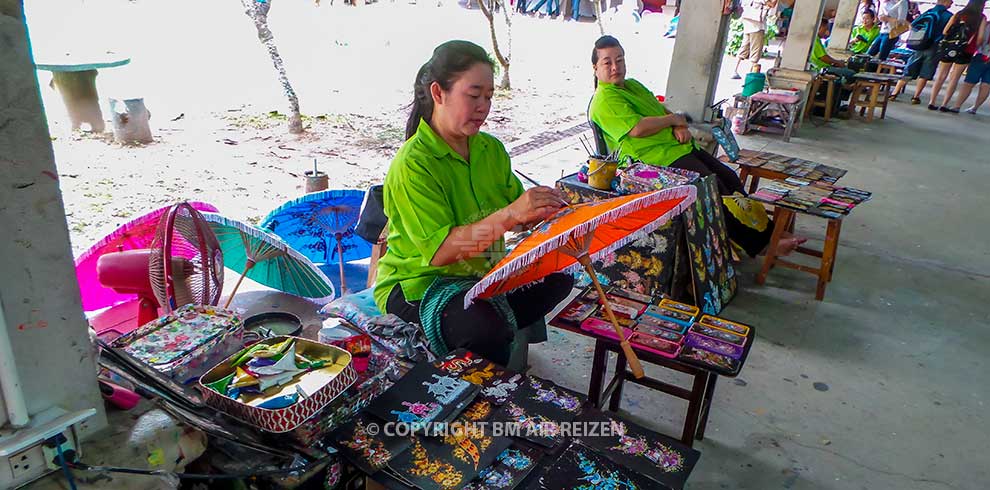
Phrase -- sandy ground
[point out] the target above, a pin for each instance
(217, 107)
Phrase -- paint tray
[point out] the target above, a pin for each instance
(317, 387)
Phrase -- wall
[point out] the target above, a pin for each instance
(37, 281)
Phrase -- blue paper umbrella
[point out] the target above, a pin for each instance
(321, 225)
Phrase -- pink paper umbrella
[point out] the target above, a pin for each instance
(136, 234)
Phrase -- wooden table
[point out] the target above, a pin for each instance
(699, 396)
(747, 169)
(75, 79)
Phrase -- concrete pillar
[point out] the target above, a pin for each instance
(845, 19)
(802, 31)
(697, 57)
(41, 306)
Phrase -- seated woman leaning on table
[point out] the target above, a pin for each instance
(450, 197)
(636, 123)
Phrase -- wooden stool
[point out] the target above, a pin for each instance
(758, 105)
(869, 95)
(783, 219)
(890, 67)
(831, 81)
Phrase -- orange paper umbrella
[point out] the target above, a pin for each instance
(579, 234)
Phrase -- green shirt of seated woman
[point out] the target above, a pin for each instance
(450, 196)
(630, 116)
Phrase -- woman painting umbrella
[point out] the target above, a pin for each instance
(633, 121)
(450, 196)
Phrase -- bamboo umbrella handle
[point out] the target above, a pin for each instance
(340, 262)
(634, 365)
(247, 266)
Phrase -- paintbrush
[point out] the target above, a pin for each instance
(531, 181)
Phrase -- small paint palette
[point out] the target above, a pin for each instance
(718, 334)
(723, 324)
(682, 307)
(712, 345)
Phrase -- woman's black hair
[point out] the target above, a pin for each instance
(971, 14)
(449, 60)
(603, 42)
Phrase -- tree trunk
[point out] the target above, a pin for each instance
(504, 60)
(258, 12)
(598, 15)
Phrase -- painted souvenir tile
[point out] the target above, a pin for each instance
(427, 465)
(718, 334)
(724, 324)
(655, 343)
(581, 468)
(663, 333)
(501, 389)
(710, 360)
(648, 453)
(633, 295)
(425, 394)
(543, 397)
(577, 312)
(471, 446)
(370, 450)
(657, 322)
(716, 346)
(510, 468)
(529, 425)
(459, 360)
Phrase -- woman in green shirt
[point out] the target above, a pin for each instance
(640, 127)
(450, 197)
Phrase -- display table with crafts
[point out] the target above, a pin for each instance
(755, 165)
(819, 199)
(662, 332)
(688, 258)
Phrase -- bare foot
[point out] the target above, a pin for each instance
(787, 245)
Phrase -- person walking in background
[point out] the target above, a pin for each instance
(865, 5)
(977, 73)
(754, 21)
(926, 34)
(956, 50)
(892, 14)
(865, 33)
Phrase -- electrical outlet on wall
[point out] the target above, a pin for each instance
(24, 456)
(25, 465)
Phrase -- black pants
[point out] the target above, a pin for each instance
(480, 328)
(752, 241)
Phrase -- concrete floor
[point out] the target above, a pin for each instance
(878, 386)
